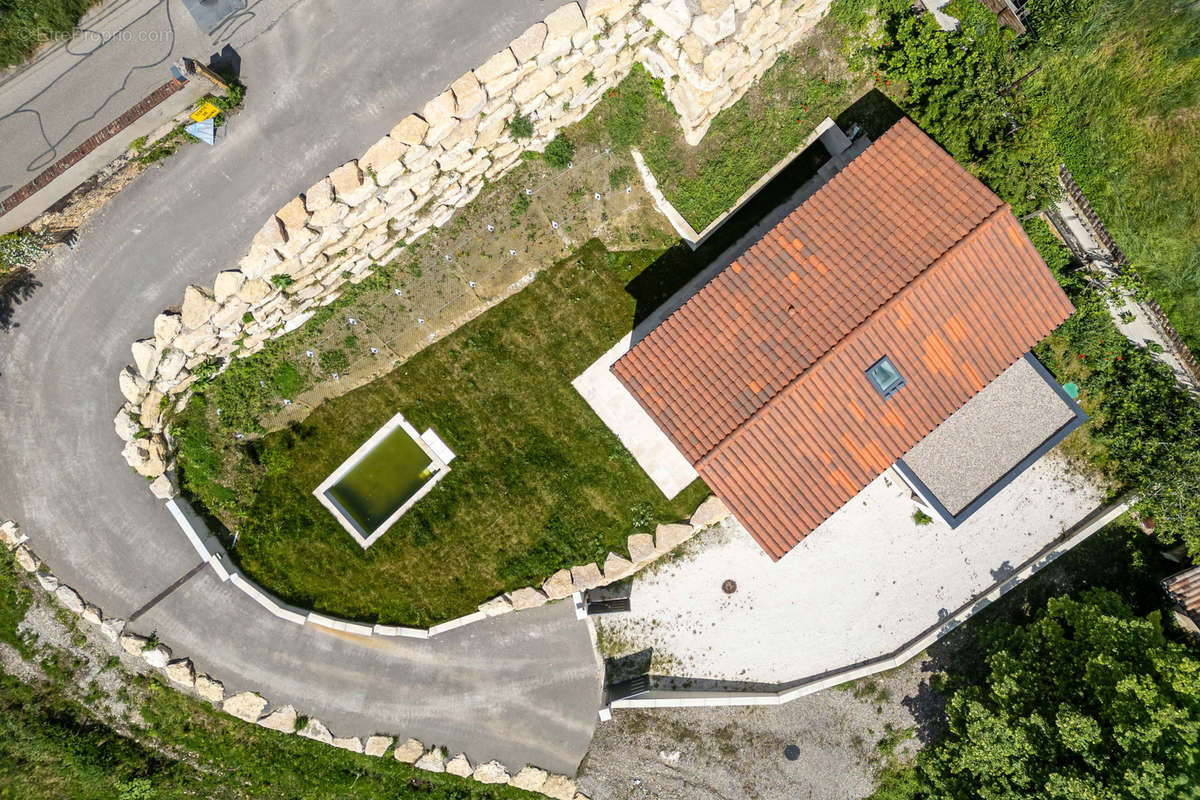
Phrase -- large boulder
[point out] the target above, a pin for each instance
(377, 745)
(227, 284)
(171, 364)
(460, 766)
(132, 385)
(710, 512)
(530, 778)
(125, 426)
(409, 752)
(641, 548)
(668, 537)
(527, 46)
(527, 598)
(245, 705)
(25, 559)
(198, 307)
(157, 656)
(616, 567)
(497, 66)
(348, 184)
(166, 327)
(565, 21)
(496, 606)
(282, 719)
(69, 599)
(410, 130)
(469, 96)
(316, 731)
(133, 644)
(351, 743)
(586, 577)
(181, 672)
(433, 761)
(559, 787)
(210, 688)
(493, 772)
(10, 534)
(145, 358)
(559, 585)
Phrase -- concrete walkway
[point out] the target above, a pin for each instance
(325, 81)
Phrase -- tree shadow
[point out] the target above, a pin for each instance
(874, 112)
(15, 288)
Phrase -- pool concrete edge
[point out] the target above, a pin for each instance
(440, 465)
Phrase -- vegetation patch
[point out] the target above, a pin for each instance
(539, 483)
(27, 24)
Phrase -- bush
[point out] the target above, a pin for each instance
(334, 361)
(559, 152)
(520, 127)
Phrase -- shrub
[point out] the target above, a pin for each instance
(559, 152)
(520, 127)
(334, 361)
(282, 281)
(620, 177)
(921, 518)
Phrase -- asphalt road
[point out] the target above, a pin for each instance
(325, 80)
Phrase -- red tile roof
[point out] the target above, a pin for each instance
(759, 378)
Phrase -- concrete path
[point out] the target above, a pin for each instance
(325, 80)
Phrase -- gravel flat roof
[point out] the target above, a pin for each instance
(990, 435)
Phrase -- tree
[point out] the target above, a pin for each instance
(1086, 701)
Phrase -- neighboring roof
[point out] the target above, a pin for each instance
(759, 378)
(991, 436)
(1184, 589)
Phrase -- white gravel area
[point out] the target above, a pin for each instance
(867, 581)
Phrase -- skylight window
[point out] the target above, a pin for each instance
(884, 376)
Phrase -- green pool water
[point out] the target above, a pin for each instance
(382, 481)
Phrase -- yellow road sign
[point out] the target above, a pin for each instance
(206, 110)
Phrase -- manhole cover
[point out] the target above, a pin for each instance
(729, 587)
(791, 752)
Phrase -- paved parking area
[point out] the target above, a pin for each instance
(865, 582)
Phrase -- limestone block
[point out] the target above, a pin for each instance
(667, 537)
(47, 581)
(10, 534)
(256, 265)
(132, 385)
(319, 196)
(492, 772)
(228, 283)
(459, 765)
(433, 761)
(410, 130)
(171, 364)
(282, 719)
(151, 408)
(586, 577)
(161, 488)
(558, 585)
(377, 745)
(125, 426)
(167, 326)
(294, 215)
(145, 357)
(246, 705)
(157, 656)
(496, 606)
(302, 237)
(712, 29)
(269, 235)
(497, 66)
(210, 688)
(559, 787)
(641, 548)
(535, 84)
(616, 567)
(673, 18)
(565, 20)
(409, 752)
(710, 512)
(181, 672)
(693, 48)
(92, 614)
(351, 743)
(198, 306)
(611, 10)
(527, 598)
(715, 63)
(330, 216)
(553, 49)
(469, 96)
(384, 153)
(348, 185)
(133, 644)
(439, 113)
(530, 778)
(197, 340)
(254, 291)
(316, 731)
(111, 628)
(527, 46)
(69, 599)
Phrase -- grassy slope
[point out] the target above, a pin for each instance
(1125, 88)
(539, 482)
(24, 24)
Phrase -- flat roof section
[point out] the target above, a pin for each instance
(998, 433)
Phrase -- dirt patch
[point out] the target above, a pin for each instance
(828, 745)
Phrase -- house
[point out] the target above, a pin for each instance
(884, 324)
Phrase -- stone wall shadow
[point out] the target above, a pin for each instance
(15, 288)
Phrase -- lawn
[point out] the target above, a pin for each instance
(539, 482)
(25, 24)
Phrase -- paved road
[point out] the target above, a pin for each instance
(324, 84)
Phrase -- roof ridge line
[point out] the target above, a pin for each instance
(711, 451)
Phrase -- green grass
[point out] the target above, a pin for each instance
(25, 24)
(1123, 95)
(539, 483)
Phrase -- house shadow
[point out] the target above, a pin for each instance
(681, 271)
(15, 288)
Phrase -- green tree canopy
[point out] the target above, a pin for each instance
(1087, 701)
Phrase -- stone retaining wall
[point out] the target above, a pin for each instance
(707, 52)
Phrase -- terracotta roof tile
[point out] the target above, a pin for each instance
(759, 378)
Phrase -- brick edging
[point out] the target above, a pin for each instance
(72, 158)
